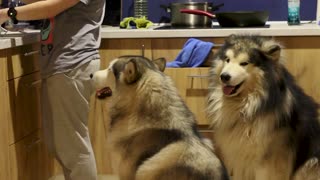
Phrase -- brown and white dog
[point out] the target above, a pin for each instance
(150, 129)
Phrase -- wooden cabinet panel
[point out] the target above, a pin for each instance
(24, 106)
(23, 154)
(113, 48)
(192, 84)
(98, 135)
(29, 159)
(22, 60)
(302, 58)
(3, 67)
(4, 115)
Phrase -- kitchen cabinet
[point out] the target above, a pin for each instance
(302, 58)
(28, 158)
(4, 116)
(23, 153)
(192, 84)
(301, 55)
(24, 93)
(114, 48)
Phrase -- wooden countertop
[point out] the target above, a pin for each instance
(9, 41)
(276, 28)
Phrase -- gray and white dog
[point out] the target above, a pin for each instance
(265, 126)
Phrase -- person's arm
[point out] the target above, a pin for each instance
(30, 1)
(39, 10)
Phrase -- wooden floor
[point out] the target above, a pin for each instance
(100, 177)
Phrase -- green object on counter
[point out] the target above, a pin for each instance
(135, 23)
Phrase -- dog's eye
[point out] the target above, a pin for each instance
(244, 63)
(227, 60)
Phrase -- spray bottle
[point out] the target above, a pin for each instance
(293, 12)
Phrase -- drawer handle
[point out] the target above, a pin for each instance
(32, 84)
(199, 76)
(206, 76)
(142, 50)
(32, 144)
(35, 82)
(31, 53)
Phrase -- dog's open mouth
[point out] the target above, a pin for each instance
(103, 93)
(229, 90)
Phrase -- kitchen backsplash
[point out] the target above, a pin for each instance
(278, 8)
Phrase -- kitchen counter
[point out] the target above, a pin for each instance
(271, 29)
(9, 41)
(108, 32)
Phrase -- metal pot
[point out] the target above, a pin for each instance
(236, 18)
(190, 20)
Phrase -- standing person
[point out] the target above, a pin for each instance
(70, 39)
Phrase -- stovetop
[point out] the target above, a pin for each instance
(168, 27)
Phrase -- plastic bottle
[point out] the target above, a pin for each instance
(140, 8)
(293, 12)
(318, 12)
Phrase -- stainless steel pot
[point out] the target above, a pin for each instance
(235, 18)
(190, 20)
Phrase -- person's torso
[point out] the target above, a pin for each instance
(72, 38)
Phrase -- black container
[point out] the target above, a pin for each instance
(112, 13)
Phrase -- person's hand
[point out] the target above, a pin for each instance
(3, 16)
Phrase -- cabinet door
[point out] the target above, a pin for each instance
(113, 48)
(4, 116)
(3, 67)
(22, 60)
(302, 58)
(98, 126)
(29, 159)
(192, 84)
(24, 95)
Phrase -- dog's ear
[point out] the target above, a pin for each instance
(160, 63)
(272, 50)
(231, 38)
(131, 71)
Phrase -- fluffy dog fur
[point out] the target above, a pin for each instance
(151, 130)
(265, 126)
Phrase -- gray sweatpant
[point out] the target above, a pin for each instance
(65, 108)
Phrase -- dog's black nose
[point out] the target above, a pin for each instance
(225, 77)
(91, 75)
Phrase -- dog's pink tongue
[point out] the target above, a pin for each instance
(227, 90)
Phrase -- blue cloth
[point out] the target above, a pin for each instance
(193, 54)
